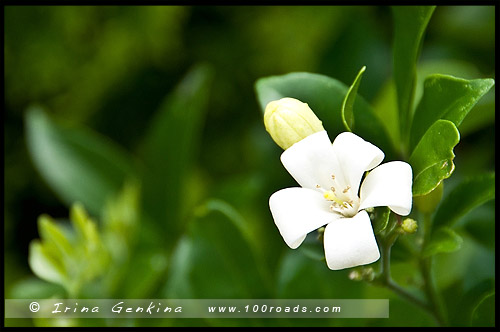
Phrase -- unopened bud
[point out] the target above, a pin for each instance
(409, 226)
(289, 121)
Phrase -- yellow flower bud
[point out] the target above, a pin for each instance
(409, 226)
(289, 121)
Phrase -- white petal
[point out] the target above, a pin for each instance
(388, 185)
(355, 156)
(350, 242)
(298, 211)
(311, 161)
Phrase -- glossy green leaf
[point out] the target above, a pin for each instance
(380, 218)
(325, 96)
(467, 195)
(446, 97)
(169, 146)
(78, 164)
(443, 240)
(410, 23)
(432, 159)
(348, 103)
(445, 66)
(484, 115)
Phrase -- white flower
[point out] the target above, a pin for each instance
(331, 195)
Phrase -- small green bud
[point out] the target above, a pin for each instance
(289, 121)
(409, 226)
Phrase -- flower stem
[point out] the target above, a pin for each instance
(386, 272)
(432, 306)
(429, 283)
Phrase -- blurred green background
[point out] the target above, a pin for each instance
(109, 69)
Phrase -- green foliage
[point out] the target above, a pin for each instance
(467, 195)
(428, 203)
(69, 257)
(484, 313)
(410, 23)
(78, 164)
(443, 240)
(325, 96)
(214, 259)
(169, 146)
(380, 218)
(446, 97)
(348, 103)
(432, 159)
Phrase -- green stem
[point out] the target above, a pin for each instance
(429, 283)
(433, 306)
(391, 284)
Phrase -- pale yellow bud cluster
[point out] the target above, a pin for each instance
(409, 226)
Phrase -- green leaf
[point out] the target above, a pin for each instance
(467, 309)
(85, 228)
(120, 221)
(54, 237)
(483, 313)
(33, 288)
(325, 96)
(484, 115)
(446, 66)
(214, 248)
(348, 103)
(300, 276)
(78, 164)
(45, 265)
(446, 97)
(386, 109)
(479, 224)
(410, 23)
(443, 240)
(469, 194)
(380, 218)
(170, 145)
(428, 203)
(432, 159)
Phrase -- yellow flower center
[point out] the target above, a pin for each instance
(343, 201)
